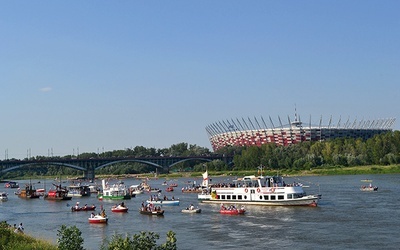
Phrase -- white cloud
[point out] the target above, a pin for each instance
(46, 89)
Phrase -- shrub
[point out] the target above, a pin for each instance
(69, 238)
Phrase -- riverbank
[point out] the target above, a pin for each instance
(338, 170)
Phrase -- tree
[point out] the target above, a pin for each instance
(69, 238)
(142, 241)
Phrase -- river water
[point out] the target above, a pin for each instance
(346, 218)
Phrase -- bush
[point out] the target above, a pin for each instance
(69, 238)
(141, 241)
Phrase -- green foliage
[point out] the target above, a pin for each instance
(383, 149)
(69, 238)
(141, 241)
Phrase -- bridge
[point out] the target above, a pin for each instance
(88, 166)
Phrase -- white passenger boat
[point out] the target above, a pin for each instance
(78, 190)
(262, 190)
(114, 192)
(204, 195)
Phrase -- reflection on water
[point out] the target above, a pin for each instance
(345, 218)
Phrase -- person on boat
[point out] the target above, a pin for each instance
(92, 215)
(85, 207)
(77, 205)
(20, 228)
(103, 213)
(191, 207)
(122, 204)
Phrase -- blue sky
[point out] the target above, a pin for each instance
(90, 76)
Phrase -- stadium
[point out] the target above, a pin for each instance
(256, 132)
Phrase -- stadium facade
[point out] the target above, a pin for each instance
(255, 132)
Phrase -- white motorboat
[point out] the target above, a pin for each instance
(3, 196)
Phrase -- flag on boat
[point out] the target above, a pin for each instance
(205, 176)
(205, 179)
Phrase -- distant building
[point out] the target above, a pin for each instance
(255, 132)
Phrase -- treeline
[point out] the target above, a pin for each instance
(383, 149)
(180, 149)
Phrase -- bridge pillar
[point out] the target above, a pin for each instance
(89, 172)
(166, 169)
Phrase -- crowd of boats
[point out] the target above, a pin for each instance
(232, 197)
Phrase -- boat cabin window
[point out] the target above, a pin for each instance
(281, 197)
(266, 197)
(290, 196)
(228, 197)
(273, 197)
(240, 197)
(233, 197)
(296, 196)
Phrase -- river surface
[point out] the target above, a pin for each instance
(346, 217)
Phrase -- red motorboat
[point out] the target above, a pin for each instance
(98, 219)
(169, 189)
(232, 210)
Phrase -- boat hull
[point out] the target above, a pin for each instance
(50, 198)
(124, 197)
(306, 202)
(369, 189)
(91, 208)
(164, 202)
(119, 209)
(233, 212)
(191, 211)
(98, 220)
(202, 197)
(264, 196)
(156, 213)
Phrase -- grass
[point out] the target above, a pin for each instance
(16, 241)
